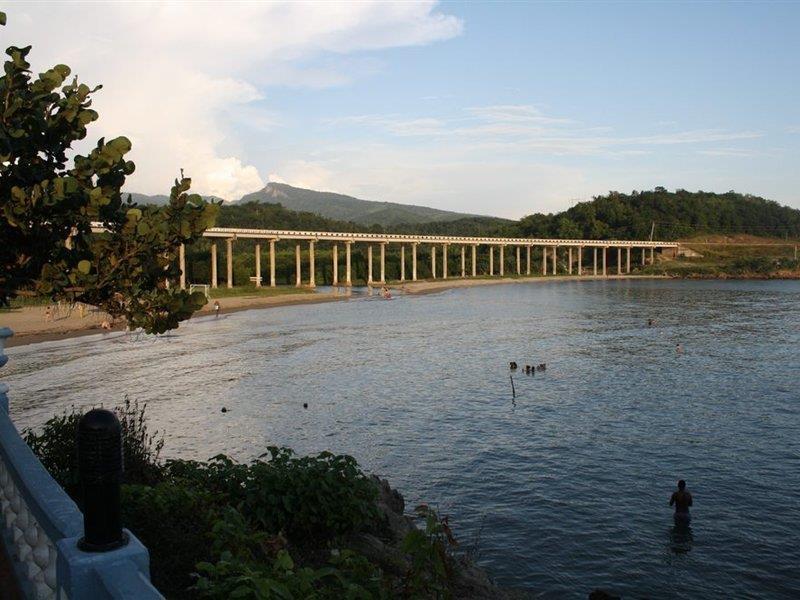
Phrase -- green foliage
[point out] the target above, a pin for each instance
(55, 446)
(173, 522)
(432, 562)
(47, 208)
(676, 215)
(306, 497)
(252, 564)
(274, 528)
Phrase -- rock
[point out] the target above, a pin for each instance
(390, 559)
(470, 582)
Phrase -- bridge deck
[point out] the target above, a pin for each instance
(333, 236)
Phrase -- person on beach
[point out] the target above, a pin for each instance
(48, 314)
(681, 500)
(216, 308)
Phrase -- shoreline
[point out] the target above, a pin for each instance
(30, 328)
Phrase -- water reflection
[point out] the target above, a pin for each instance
(680, 537)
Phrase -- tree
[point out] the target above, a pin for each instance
(127, 266)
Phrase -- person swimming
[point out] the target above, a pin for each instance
(512, 365)
(679, 349)
(681, 500)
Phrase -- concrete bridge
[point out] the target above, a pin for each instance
(575, 253)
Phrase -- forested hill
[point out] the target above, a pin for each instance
(671, 215)
(348, 208)
(264, 215)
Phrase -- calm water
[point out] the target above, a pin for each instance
(565, 488)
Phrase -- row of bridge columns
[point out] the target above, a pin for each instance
(549, 254)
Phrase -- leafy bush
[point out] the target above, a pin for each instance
(55, 446)
(253, 564)
(311, 497)
(274, 528)
(174, 524)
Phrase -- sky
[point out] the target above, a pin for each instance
(490, 108)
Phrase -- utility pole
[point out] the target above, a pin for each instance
(652, 230)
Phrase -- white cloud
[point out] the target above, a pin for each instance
(516, 129)
(171, 71)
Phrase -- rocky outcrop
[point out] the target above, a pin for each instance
(384, 548)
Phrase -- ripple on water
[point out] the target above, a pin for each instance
(564, 488)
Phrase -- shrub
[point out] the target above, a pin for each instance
(55, 446)
(174, 524)
(311, 497)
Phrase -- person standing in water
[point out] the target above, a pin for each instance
(682, 500)
(216, 308)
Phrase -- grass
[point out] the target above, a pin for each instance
(745, 258)
(252, 291)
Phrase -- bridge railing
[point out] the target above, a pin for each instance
(41, 526)
(278, 234)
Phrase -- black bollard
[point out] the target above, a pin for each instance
(100, 473)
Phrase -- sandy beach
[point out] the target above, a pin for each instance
(31, 324)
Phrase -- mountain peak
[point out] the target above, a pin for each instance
(348, 208)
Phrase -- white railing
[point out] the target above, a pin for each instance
(41, 526)
(334, 236)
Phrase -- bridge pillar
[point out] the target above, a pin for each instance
(580, 261)
(229, 258)
(297, 267)
(594, 270)
(619, 261)
(502, 260)
(383, 262)
(644, 250)
(444, 261)
(463, 261)
(628, 266)
(569, 259)
(652, 255)
(335, 260)
(414, 261)
(527, 260)
(403, 262)
(433, 261)
(544, 260)
(258, 265)
(519, 265)
(213, 264)
(604, 261)
(311, 266)
(491, 261)
(474, 260)
(555, 260)
(348, 281)
(272, 263)
(182, 262)
(369, 264)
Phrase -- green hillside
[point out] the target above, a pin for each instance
(348, 208)
(669, 215)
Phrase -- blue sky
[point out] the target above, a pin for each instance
(503, 109)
